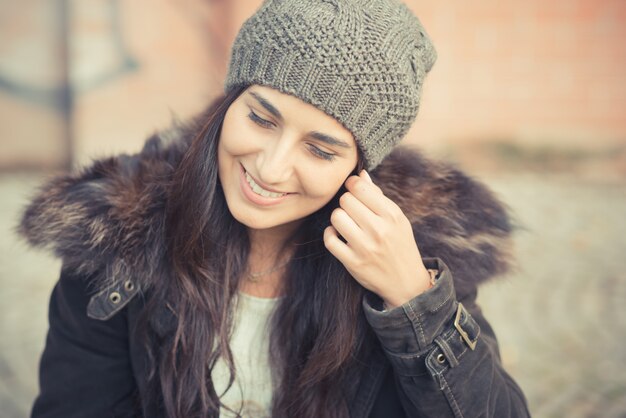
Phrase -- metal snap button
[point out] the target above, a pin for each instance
(115, 297)
(441, 358)
(128, 285)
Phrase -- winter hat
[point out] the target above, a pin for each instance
(362, 62)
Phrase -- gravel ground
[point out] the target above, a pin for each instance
(560, 317)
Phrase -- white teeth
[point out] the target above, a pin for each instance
(261, 191)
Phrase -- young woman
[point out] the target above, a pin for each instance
(275, 256)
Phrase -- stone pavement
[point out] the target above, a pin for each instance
(560, 317)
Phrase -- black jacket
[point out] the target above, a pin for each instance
(436, 358)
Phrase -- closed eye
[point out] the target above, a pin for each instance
(264, 123)
(321, 154)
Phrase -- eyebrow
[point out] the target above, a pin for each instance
(267, 105)
(329, 139)
(315, 134)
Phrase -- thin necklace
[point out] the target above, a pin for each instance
(253, 277)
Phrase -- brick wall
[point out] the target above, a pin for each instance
(529, 70)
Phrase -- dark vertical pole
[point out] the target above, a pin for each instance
(66, 99)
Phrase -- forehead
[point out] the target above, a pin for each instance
(296, 111)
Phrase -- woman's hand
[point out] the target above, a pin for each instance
(380, 252)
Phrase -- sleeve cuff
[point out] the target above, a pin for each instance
(412, 327)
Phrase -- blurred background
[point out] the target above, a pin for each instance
(529, 97)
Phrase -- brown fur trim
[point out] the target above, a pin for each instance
(454, 217)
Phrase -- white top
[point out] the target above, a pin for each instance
(252, 388)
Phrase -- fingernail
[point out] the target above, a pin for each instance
(367, 175)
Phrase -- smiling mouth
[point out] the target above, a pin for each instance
(260, 190)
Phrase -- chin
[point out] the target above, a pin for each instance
(262, 222)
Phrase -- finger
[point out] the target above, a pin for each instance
(347, 227)
(336, 246)
(361, 214)
(369, 194)
(366, 175)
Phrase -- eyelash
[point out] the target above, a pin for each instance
(267, 124)
(324, 155)
(259, 120)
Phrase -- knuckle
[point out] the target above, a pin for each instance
(358, 264)
(385, 231)
(396, 213)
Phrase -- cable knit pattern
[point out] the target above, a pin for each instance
(362, 62)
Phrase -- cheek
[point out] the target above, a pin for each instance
(233, 135)
(323, 186)
(227, 147)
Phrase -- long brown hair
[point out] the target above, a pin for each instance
(319, 335)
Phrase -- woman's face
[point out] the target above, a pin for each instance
(280, 159)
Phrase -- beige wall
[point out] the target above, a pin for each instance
(32, 124)
(531, 72)
(527, 70)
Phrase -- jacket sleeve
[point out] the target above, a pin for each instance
(85, 369)
(444, 354)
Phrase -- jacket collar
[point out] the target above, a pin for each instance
(109, 216)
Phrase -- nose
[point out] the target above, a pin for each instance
(275, 162)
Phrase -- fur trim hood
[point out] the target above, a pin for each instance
(108, 218)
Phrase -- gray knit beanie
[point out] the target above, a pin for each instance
(362, 62)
